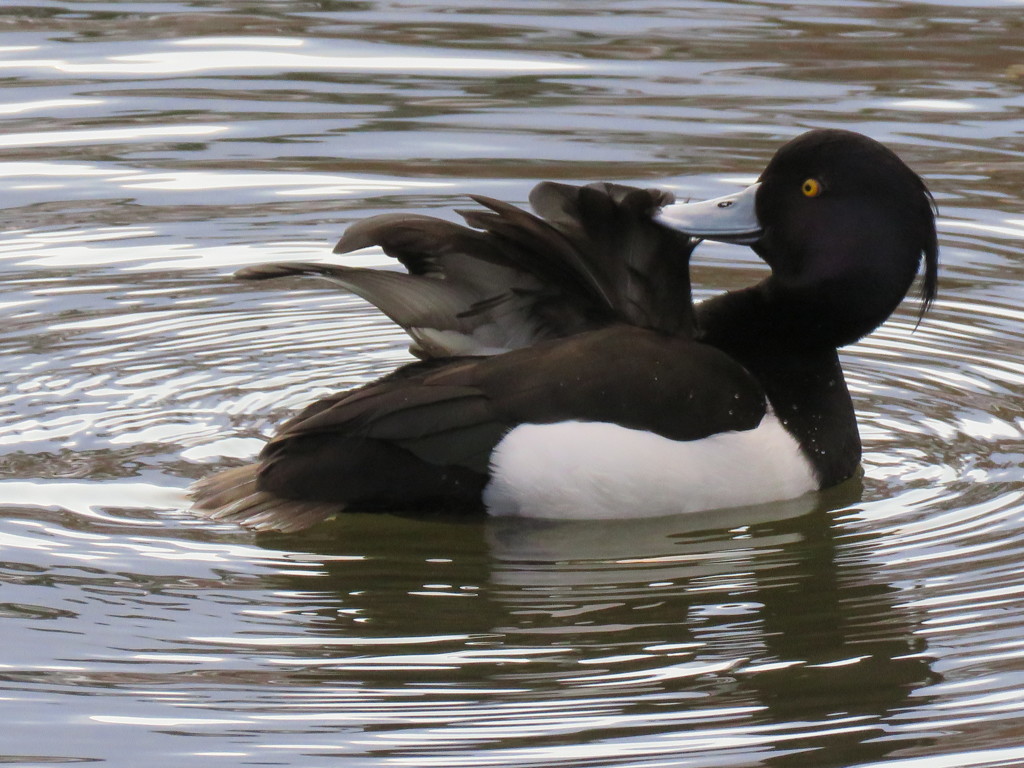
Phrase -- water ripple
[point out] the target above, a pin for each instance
(148, 152)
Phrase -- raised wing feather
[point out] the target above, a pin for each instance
(591, 258)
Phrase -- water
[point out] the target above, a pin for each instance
(149, 149)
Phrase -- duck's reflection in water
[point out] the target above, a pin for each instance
(755, 630)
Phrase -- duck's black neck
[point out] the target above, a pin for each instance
(800, 374)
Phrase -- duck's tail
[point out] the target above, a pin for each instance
(232, 496)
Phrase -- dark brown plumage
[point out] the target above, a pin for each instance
(498, 297)
(583, 313)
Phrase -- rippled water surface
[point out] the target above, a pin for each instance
(149, 149)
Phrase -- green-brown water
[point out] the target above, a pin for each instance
(149, 149)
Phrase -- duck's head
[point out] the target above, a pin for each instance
(843, 223)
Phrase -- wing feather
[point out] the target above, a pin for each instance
(427, 431)
(591, 257)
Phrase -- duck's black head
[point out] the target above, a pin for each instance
(843, 223)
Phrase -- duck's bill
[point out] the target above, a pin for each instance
(729, 219)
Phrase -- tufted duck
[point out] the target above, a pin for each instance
(565, 372)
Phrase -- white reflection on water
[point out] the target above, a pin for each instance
(255, 41)
(57, 169)
(931, 105)
(357, 57)
(45, 104)
(747, 744)
(177, 187)
(109, 135)
(147, 257)
(988, 757)
(165, 722)
(1014, 228)
(303, 184)
(88, 498)
(228, 447)
(330, 642)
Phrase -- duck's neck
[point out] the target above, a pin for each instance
(801, 375)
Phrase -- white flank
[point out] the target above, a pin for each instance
(595, 470)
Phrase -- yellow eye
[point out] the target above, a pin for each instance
(811, 188)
